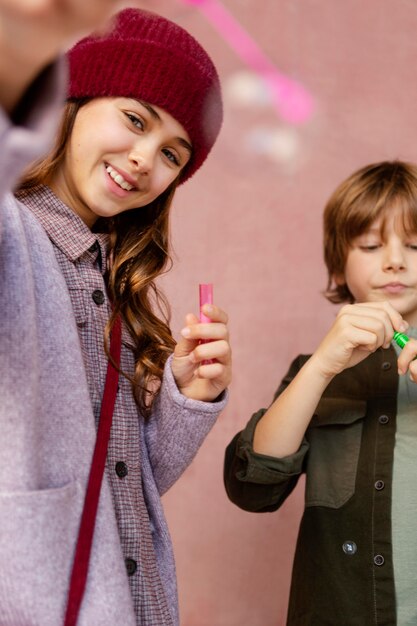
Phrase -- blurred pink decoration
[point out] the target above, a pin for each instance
(291, 100)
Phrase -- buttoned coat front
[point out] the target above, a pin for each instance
(47, 426)
(343, 569)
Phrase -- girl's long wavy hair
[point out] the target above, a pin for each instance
(139, 252)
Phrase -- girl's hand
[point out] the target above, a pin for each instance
(359, 329)
(196, 379)
(406, 360)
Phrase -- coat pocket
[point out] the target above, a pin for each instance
(334, 436)
(37, 538)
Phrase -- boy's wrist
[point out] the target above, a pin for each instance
(315, 368)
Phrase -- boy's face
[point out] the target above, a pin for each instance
(382, 265)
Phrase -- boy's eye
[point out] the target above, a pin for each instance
(412, 246)
(136, 121)
(369, 247)
(171, 156)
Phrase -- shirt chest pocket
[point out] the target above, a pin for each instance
(78, 294)
(334, 436)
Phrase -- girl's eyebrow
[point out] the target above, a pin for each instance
(151, 110)
(185, 144)
(155, 115)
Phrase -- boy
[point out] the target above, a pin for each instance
(345, 418)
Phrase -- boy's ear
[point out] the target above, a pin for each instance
(339, 279)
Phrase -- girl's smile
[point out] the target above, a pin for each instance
(122, 155)
(121, 180)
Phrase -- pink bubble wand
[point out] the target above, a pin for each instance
(206, 297)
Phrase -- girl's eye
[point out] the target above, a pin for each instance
(171, 156)
(136, 121)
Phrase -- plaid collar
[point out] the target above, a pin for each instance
(64, 227)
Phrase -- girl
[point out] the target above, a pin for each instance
(144, 109)
(345, 418)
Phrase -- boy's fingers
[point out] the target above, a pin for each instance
(407, 356)
(413, 371)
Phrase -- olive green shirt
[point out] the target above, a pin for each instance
(343, 572)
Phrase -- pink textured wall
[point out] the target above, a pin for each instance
(250, 222)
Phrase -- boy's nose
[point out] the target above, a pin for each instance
(394, 259)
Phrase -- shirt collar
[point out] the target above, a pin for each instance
(64, 227)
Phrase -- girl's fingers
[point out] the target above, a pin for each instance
(210, 331)
(218, 350)
(215, 313)
(212, 372)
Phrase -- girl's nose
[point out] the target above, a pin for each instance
(141, 160)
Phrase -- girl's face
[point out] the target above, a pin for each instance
(382, 265)
(122, 154)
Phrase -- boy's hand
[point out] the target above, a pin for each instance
(359, 330)
(406, 360)
(194, 378)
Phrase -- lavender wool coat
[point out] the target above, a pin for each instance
(47, 430)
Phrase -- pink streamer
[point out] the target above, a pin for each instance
(291, 100)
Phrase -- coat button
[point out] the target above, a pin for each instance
(379, 559)
(349, 548)
(383, 419)
(98, 296)
(386, 366)
(131, 566)
(379, 485)
(121, 469)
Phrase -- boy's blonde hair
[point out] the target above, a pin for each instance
(356, 203)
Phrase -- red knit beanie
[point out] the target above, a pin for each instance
(148, 57)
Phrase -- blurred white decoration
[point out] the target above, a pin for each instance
(247, 88)
(281, 144)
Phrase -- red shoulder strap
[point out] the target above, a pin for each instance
(86, 531)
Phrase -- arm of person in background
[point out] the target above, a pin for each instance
(32, 84)
(268, 456)
(34, 32)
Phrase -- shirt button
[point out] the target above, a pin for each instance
(349, 548)
(386, 366)
(98, 296)
(94, 247)
(131, 566)
(379, 559)
(383, 419)
(379, 485)
(121, 469)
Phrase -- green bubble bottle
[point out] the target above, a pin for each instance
(401, 339)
